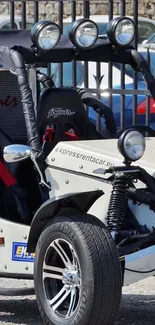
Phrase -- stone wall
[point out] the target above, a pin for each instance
(49, 9)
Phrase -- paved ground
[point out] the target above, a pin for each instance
(138, 306)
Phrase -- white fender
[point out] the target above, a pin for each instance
(100, 207)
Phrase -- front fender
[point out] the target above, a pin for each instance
(52, 207)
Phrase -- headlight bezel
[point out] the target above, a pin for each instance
(125, 137)
(112, 27)
(38, 28)
(74, 28)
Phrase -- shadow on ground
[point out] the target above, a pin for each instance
(135, 310)
(19, 311)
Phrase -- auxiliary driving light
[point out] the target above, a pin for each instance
(131, 145)
(45, 35)
(83, 33)
(121, 31)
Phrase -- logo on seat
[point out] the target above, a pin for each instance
(55, 112)
(8, 101)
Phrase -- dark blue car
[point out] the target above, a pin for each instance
(116, 98)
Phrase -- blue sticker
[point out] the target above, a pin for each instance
(19, 253)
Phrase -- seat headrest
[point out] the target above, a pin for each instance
(61, 105)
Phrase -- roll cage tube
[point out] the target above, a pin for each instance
(100, 108)
(140, 64)
(140, 128)
(27, 102)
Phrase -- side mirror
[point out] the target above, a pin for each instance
(16, 152)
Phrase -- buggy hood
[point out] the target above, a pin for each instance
(88, 156)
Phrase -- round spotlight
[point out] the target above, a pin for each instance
(45, 35)
(131, 145)
(121, 31)
(83, 33)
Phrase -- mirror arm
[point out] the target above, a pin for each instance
(34, 159)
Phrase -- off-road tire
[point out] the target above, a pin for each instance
(100, 270)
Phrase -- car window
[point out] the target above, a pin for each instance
(152, 39)
(67, 73)
(145, 30)
(8, 26)
(102, 28)
(130, 72)
(28, 25)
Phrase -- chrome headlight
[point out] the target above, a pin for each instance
(121, 31)
(131, 145)
(45, 35)
(83, 33)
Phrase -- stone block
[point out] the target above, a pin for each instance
(49, 9)
(79, 9)
(4, 9)
(67, 8)
(102, 9)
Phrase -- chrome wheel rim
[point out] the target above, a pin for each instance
(61, 278)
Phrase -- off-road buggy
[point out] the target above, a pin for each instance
(77, 212)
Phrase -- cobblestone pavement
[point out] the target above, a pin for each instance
(137, 308)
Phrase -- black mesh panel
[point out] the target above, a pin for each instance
(11, 113)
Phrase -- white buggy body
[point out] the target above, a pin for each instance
(72, 168)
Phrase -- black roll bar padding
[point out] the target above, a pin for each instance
(102, 109)
(151, 87)
(46, 81)
(140, 64)
(27, 101)
(140, 128)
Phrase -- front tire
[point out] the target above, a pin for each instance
(77, 273)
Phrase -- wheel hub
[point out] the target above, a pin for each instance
(71, 277)
(61, 272)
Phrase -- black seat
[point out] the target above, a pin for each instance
(15, 195)
(63, 110)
